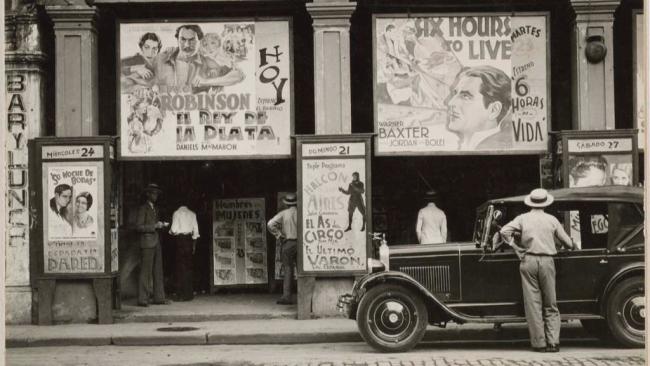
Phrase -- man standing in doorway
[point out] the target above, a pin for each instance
(147, 224)
(356, 191)
(478, 109)
(185, 230)
(536, 249)
(431, 227)
(285, 229)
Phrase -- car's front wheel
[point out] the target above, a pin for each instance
(392, 318)
(626, 312)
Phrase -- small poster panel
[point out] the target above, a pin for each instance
(334, 214)
(239, 242)
(204, 89)
(461, 84)
(73, 223)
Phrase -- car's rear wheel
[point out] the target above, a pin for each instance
(626, 312)
(392, 318)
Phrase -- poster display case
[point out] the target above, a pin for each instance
(334, 205)
(76, 226)
(239, 248)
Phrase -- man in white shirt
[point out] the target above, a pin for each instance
(285, 229)
(431, 226)
(185, 230)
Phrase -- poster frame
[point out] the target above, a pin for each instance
(118, 105)
(571, 135)
(366, 139)
(546, 14)
(37, 269)
(635, 68)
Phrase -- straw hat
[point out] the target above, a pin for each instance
(538, 198)
(290, 199)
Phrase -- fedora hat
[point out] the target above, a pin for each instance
(290, 199)
(152, 187)
(430, 195)
(538, 197)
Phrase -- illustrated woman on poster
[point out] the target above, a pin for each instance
(620, 174)
(59, 224)
(83, 223)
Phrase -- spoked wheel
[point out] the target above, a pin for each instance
(626, 312)
(392, 318)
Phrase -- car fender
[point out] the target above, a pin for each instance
(375, 279)
(629, 270)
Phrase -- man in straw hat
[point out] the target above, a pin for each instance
(148, 224)
(285, 229)
(431, 226)
(536, 249)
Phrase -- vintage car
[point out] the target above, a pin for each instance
(601, 284)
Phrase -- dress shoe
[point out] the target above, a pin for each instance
(553, 348)
(162, 302)
(143, 304)
(285, 302)
(539, 349)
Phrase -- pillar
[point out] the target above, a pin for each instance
(75, 59)
(76, 114)
(593, 82)
(24, 62)
(317, 296)
(331, 22)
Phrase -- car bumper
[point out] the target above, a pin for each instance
(345, 304)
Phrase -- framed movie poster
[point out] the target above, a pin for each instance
(199, 89)
(640, 76)
(239, 250)
(461, 83)
(334, 205)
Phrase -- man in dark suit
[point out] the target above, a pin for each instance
(147, 224)
(478, 109)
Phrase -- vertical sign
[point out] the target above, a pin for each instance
(198, 89)
(239, 242)
(73, 217)
(461, 84)
(334, 207)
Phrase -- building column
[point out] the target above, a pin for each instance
(331, 22)
(24, 62)
(317, 296)
(76, 105)
(593, 80)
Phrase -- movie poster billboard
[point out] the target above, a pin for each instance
(333, 209)
(205, 89)
(640, 76)
(461, 84)
(73, 217)
(239, 242)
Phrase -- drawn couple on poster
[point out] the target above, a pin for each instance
(66, 224)
(595, 170)
(198, 61)
(425, 73)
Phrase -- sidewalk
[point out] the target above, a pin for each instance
(260, 331)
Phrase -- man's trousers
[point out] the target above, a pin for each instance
(151, 266)
(183, 267)
(289, 256)
(540, 304)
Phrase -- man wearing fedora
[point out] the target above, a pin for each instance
(431, 226)
(536, 248)
(148, 224)
(285, 229)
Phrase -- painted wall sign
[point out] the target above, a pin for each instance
(73, 209)
(333, 214)
(205, 89)
(55, 152)
(600, 145)
(461, 84)
(239, 242)
(17, 165)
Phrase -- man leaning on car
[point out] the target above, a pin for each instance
(536, 249)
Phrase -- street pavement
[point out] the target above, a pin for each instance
(458, 353)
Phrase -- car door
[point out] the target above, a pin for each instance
(580, 273)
